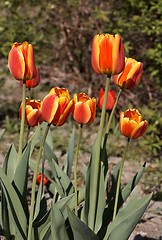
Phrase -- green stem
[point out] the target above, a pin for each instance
(110, 118)
(22, 121)
(97, 160)
(119, 178)
(75, 168)
(34, 182)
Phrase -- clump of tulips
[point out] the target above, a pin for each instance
(94, 211)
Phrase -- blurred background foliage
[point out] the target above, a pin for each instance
(62, 33)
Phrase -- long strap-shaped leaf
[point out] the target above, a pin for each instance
(127, 218)
(16, 209)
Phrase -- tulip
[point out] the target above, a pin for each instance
(33, 114)
(45, 179)
(21, 61)
(131, 75)
(84, 109)
(108, 54)
(57, 106)
(32, 83)
(131, 124)
(110, 99)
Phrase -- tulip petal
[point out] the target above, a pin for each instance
(139, 130)
(82, 113)
(30, 68)
(105, 55)
(92, 104)
(49, 107)
(33, 117)
(128, 127)
(118, 54)
(66, 113)
(16, 63)
(95, 54)
(134, 76)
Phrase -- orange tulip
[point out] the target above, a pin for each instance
(131, 124)
(57, 106)
(108, 54)
(84, 109)
(131, 75)
(32, 83)
(110, 99)
(33, 113)
(21, 61)
(45, 179)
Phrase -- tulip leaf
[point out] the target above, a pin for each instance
(87, 213)
(41, 226)
(49, 153)
(58, 228)
(61, 178)
(80, 230)
(21, 174)
(34, 139)
(49, 140)
(70, 200)
(10, 162)
(1, 133)
(124, 193)
(15, 207)
(70, 155)
(127, 218)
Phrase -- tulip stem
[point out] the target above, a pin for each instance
(34, 182)
(119, 179)
(97, 162)
(75, 168)
(22, 121)
(110, 118)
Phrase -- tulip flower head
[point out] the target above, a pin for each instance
(131, 124)
(131, 75)
(110, 99)
(33, 112)
(108, 54)
(21, 61)
(32, 83)
(84, 109)
(45, 179)
(57, 106)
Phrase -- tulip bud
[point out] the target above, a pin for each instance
(110, 99)
(84, 109)
(33, 114)
(131, 75)
(32, 83)
(131, 124)
(21, 61)
(57, 106)
(45, 179)
(108, 54)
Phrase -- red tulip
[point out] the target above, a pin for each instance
(108, 54)
(84, 109)
(57, 106)
(33, 112)
(131, 75)
(45, 179)
(131, 124)
(110, 99)
(32, 83)
(21, 61)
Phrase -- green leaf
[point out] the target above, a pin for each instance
(49, 140)
(127, 218)
(15, 207)
(10, 162)
(1, 133)
(80, 230)
(124, 193)
(34, 139)
(61, 178)
(70, 200)
(70, 155)
(58, 228)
